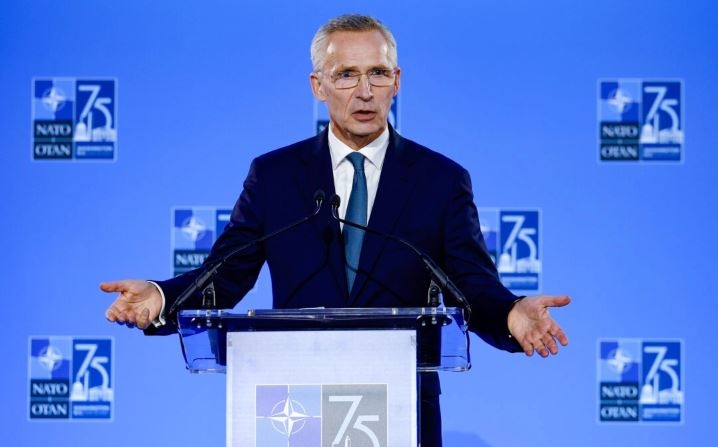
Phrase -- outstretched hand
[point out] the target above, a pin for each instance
(138, 304)
(532, 326)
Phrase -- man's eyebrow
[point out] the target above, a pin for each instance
(355, 68)
(346, 68)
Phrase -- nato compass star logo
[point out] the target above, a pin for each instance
(50, 358)
(619, 100)
(193, 228)
(54, 99)
(619, 361)
(288, 417)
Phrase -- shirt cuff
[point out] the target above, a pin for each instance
(160, 320)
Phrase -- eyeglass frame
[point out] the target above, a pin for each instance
(334, 78)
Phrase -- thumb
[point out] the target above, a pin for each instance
(113, 286)
(556, 301)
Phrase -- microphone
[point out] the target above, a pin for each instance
(211, 269)
(438, 277)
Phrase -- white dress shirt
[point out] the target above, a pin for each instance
(343, 170)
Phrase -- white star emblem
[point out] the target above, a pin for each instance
(50, 358)
(619, 361)
(619, 100)
(193, 228)
(288, 417)
(54, 99)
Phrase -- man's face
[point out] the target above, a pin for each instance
(358, 115)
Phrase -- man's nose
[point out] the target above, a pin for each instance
(363, 89)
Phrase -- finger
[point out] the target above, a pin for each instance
(541, 349)
(114, 286)
(127, 317)
(550, 344)
(114, 312)
(557, 301)
(144, 319)
(120, 317)
(131, 318)
(561, 336)
(528, 348)
(111, 315)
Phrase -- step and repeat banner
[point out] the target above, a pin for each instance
(587, 128)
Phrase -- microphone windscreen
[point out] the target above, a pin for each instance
(319, 196)
(335, 200)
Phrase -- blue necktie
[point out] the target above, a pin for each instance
(356, 212)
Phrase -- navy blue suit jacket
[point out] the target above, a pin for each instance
(422, 197)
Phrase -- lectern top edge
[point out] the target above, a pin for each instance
(442, 340)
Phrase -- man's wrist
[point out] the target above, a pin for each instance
(510, 309)
(160, 320)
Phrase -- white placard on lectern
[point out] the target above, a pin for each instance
(328, 388)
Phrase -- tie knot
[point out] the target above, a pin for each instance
(357, 160)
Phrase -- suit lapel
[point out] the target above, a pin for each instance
(392, 194)
(317, 174)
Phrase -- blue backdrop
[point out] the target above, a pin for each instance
(508, 89)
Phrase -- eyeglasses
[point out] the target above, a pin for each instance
(378, 77)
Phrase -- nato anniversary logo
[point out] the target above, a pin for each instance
(194, 230)
(640, 381)
(71, 378)
(351, 415)
(74, 119)
(640, 120)
(513, 241)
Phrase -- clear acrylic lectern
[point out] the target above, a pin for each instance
(324, 377)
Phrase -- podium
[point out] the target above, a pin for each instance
(340, 377)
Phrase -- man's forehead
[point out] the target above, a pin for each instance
(355, 48)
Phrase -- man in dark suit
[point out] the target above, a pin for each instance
(402, 189)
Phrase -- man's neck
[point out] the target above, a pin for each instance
(355, 142)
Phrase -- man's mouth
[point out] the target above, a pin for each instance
(364, 115)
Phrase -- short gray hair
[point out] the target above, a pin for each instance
(348, 22)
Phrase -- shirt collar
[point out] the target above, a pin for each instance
(374, 151)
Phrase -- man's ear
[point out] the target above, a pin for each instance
(397, 82)
(317, 87)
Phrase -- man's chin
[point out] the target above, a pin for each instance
(367, 129)
(357, 135)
